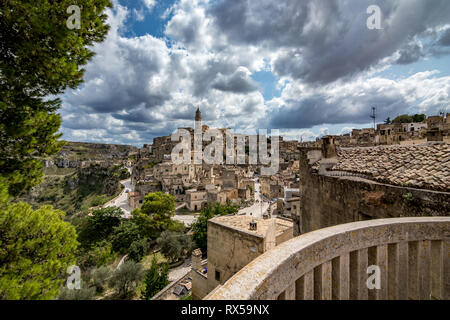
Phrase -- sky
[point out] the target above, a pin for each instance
(306, 67)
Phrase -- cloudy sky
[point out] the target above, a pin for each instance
(306, 67)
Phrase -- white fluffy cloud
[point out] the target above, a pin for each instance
(327, 62)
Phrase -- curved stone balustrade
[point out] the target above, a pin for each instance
(332, 263)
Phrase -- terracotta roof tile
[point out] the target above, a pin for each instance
(425, 165)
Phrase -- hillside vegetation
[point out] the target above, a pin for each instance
(73, 190)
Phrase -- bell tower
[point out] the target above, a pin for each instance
(198, 115)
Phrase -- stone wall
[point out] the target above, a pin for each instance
(229, 250)
(199, 285)
(327, 201)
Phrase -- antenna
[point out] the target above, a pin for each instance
(374, 117)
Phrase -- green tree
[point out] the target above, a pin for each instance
(39, 57)
(138, 250)
(126, 278)
(404, 118)
(100, 254)
(156, 278)
(175, 245)
(36, 247)
(155, 215)
(200, 227)
(124, 235)
(100, 225)
(387, 121)
(84, 293)
(100, 277)
(419, 117)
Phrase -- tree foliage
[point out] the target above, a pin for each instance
(99, 278)
(175, 245)
(100, 225)
(156, 278)
(39, 57)
(200, 228)
(155, 215)
(138, 250)
(124, 235)
(36, 247)
(404, 118)
(100, 254)
(84, 293)
(126, 278)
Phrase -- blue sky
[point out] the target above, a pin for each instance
(305, 67)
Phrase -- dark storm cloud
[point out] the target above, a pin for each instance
(445, 39)
(316, 111)
(238, 82)
(411, 53)
(327, 40)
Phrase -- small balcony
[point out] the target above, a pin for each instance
(411, 256)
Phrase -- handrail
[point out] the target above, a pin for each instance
(270, 275)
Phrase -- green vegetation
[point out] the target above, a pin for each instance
(175, 245)
(124, 235)
(39, 57)
(99, 225)
(85, 188)
(200, 228)
(138, 250)
(155, 215)
(156, 279)
(152, 163)
(84, 293)
(188, 296)
(36, 247)
(408, 119)
(126, 279)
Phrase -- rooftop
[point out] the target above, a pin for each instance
(423, 166)
(242, 223)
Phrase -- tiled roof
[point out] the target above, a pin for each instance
(422, 166)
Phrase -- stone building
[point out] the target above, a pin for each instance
(196, 199)
(135, 200)
(233, 242)
(372, 183)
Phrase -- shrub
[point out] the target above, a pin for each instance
(138, 250)
(85, 293)
(124, 235)
(99, 255)
(156, 279)
(125, 279)
(100, 277)
(175, 245)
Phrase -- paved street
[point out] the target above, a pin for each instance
(259, 207)
(187, 219)
(121, 200)
(177, 272)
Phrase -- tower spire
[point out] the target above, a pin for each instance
(198, 115)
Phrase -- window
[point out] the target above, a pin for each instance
(217, 275)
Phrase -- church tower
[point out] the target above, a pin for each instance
(198, 144)
(198, 115)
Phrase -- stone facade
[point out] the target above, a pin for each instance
(232, 244)
(331, 198)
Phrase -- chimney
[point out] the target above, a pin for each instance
(196, 259)
(328, 147)
(253, 226)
